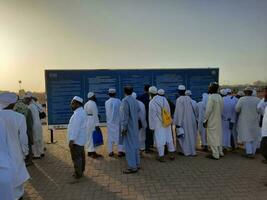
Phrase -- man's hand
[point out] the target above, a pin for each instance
(71, 143)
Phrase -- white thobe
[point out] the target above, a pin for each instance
(228, 116)
(112, 106)
(248, 120)
(264, 124)
(201, 115)
(92, 112)
(185, 117)
(142, 131)
(213, 118)
(6, 168)
(261, 106)
(37, 130)
(163, 135)
(17, 141)
(77, 127)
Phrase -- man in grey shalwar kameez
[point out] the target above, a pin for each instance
(130, 132)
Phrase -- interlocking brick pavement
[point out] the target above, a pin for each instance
(232, 177)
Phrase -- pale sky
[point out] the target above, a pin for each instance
(81, 34)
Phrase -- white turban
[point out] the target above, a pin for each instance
(112, 91)
(90, 95)
(188, 93)
(28, 95)
(134, 95)
(181, 87)
(161, 92)
(76, 98)
(228, 91)
(223, 92)
(7, 98)
(153, 90)
(248, 89)
(240, 93)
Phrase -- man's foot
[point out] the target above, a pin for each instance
(251, 156)
(264, 161)
(21, 198)
(205, 149)
(212, 157)
(171, 156)
(161, 159)
(148, 151)
(36, 157)
(111, 154)
(42, 155)
(29, 164)
(94, 155)
(180, 153)
(130, 171)
(121, 154)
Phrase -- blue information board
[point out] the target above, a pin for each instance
(63, 85)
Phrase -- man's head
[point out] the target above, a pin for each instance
(76, 103)
(248, 91)
(153, 91)
(27, 98)
(146, 88)
(8, 100)
(128, 90)
(228, 91)
(265, 92)
(91, 96)
(112, 92)
(181, 90)
(188, 93)
(213, 88)
(161, 92)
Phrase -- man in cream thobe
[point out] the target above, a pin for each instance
(6, 168)
(248, 122)
(92, 124)
(185, 120)
(228, 118)
(213, 122)
(201, 115)
(112, 106)
(142, 124)
(262, 105)
(163, 135)
(17, 141)
(37, 130)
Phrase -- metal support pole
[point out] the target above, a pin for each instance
(52, 137)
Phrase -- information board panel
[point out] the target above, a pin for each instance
(62, 85)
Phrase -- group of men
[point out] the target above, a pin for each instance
(21, 141)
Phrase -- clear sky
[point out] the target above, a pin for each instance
(80, 34)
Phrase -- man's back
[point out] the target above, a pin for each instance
(112, 107)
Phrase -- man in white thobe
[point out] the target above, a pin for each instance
(77, 135)
(213, 122)
(93, 124)
(264, 137)
(163, 135)
(248, 122)
(194, 103)
(6, 168)
(201, 115)
(37, 130)
(17, 141)
(228, 118)
(185, 120)
(262, 105)
(141, 123)
(112, 106)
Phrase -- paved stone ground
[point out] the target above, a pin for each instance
(232, 177)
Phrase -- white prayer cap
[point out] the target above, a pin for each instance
(28, 95)
(7, 98)
(181, 87)
(76, 98)
(228, 91)
(240, 93)
(90, 95)
(112, 91)
(161, 92)
(248, 89)
(223, 92)
(188, 93)
(134, 95)
(153, 90)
